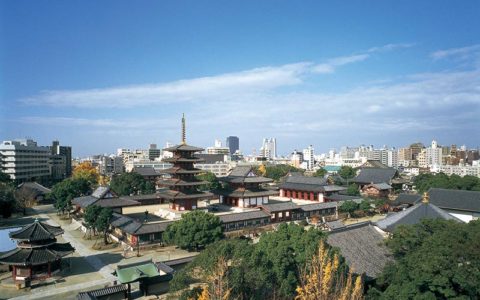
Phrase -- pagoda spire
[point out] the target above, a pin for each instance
(184, 140)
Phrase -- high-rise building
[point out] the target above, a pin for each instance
(153, 152)
(308, 157)
(233, 143)
(24, 160)
(60, 160)
(269, 148)
(296, 158)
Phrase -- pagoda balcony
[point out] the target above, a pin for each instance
(177, 170)
(178, 182)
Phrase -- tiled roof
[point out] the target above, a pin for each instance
(455, 199)
(211, 158)
(145, 171)
(94, 294)
(337, 224)
(318, 206)
(116, 202)
(244, 174)
(243, 216)
(381, 186)
(84, 201)
(375, 175)
(363, 248)
(413, 215)
(281, 206)
(183, 147)
(304, 183)
(339, 197)
(240, 171)
(100, 192)
(36, 256)
(36, 231)
(38, 188)
(405, 198)
(246, 193)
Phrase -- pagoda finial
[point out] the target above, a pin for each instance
(426, 198)
(184, 141)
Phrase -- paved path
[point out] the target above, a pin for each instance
(89, 255)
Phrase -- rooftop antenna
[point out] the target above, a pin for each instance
(184, 142)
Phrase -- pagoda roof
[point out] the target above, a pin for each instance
(183, 159)
(183, 147)
(36, 231)
(180, 182)
(36, 256)
(178, 170)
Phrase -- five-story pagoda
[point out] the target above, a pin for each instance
(182, 183)
(38, 255)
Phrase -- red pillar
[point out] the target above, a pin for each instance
(312, 196)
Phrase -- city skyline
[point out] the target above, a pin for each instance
(300, 73)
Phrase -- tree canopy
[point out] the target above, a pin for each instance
(7, 200)
(347, 172)
(86, 171)
(213, 183)
(131, 183)
(196, 229)
(423, 182)
(348, 207)
(435, 259)
(320, 172)
(268, 269)
(64, 191)
(275, 172)
(353, 190)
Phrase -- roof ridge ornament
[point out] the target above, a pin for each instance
(184, 141)
(425, 198)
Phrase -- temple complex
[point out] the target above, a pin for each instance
(38, 255)
(181, 182)
(242, 188)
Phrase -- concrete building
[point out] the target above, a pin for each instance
(153, 152)
(296, 159)
(309, 157)
(269, 148)
(60, 161)
(233, 144)
(218, 149)
(23, 160)
(218, 164)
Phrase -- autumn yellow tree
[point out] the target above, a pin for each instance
(217, 286)
(324, 280)
(262, 170)
(86, 171)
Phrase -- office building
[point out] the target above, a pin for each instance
(233, 144)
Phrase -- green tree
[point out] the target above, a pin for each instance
(347, 172)
(276, 172)
(431, 264)
(424, 182)
(320, 173)
(365, 205)
(348, 207)
(102, 223)
(131, 183)
(353, 190)
(213, 183)
(90, 217)
(196, 229)
(7, 200)
(64, 191)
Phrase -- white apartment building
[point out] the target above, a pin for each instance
(309, 157)
(218, 149)
(24, 160)
(460, 170)
(269, 148)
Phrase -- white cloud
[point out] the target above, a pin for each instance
(462, 53)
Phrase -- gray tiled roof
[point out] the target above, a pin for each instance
(100, 192)
(413, 215)
(281, 206)
(145, 171)
(382, 186)
(116, 202)
(119, 288)
(304, 183)
(375, 175)
(240, 171)
(36, 187)
(455, 199)
(363, 248)
(318, 206)
(36, 256)
(405, 198)
(243, 216)
(183, 147)
(337, 224)
(36, 231)
(84, 201)
(339, 197)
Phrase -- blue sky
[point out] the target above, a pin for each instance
(99, 75)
